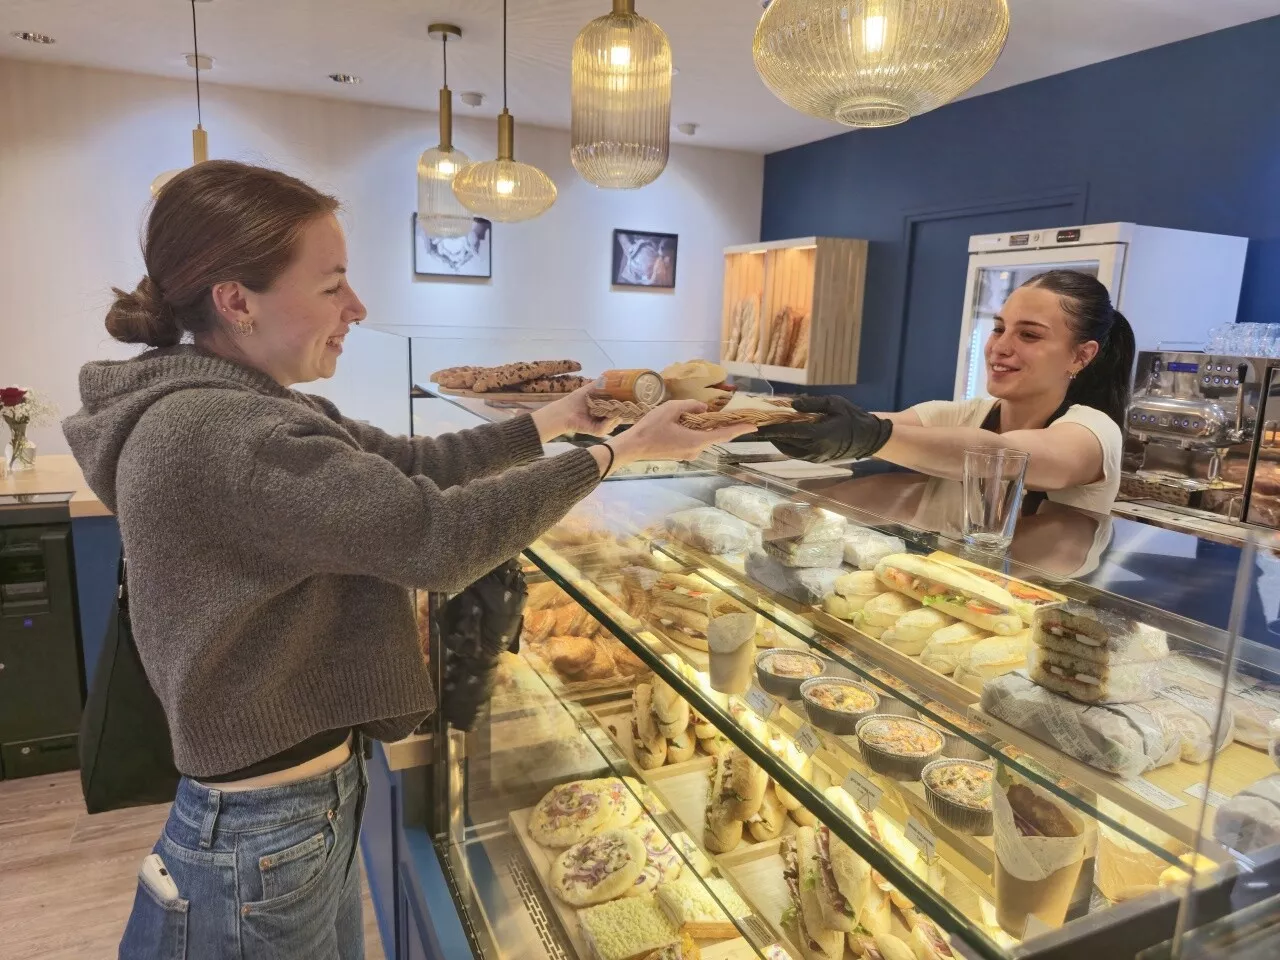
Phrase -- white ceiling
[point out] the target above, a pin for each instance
(291, 45)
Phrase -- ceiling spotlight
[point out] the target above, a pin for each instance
(472, 98)
(30, 37)
(350, 78)
(688, 129)
(199, 61)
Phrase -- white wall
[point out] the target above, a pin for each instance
(79, 147)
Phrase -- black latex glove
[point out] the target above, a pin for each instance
(845, 431)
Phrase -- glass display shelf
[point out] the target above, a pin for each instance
(537, 736)
(1131, 830)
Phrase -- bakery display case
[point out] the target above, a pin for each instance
(753, 720)
(792, 309)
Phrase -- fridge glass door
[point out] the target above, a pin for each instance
(992, 277)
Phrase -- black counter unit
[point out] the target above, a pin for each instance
(41, 677)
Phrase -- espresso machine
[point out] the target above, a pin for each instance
(1201, 436)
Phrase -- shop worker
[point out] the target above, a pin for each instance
(1058, 366)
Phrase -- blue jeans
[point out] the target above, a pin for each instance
(262, 874)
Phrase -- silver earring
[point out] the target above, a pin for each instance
(1071, 376)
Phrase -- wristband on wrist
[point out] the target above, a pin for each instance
(609, 466)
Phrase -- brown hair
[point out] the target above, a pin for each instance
(215, 221)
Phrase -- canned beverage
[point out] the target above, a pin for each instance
(638, 386)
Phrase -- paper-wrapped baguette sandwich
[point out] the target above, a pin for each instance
(953, 591)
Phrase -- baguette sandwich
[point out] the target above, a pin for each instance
(685, 606)
(844, 882)
(721, 832)
(803, 916)
(952, 591)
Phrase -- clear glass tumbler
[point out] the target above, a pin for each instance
(994, 478)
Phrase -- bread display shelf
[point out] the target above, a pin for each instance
(1237, 767)
(615, 720)
(502, 396)
(908, 669)
(540, 859)
(757, 876)
(972, 857)
(812, 285)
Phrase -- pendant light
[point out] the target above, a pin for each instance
(199, 139)
(873, 63)
(439, 212)
(504, 189)
(621, 98)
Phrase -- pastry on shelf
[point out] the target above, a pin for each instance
(626, 928)
(572, 812)
(690, 906)
(685, 949)
(991, 658)
(911, 632)
(599, 868)
(851, 592)
(951, 644)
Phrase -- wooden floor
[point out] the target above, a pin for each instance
(67, 879)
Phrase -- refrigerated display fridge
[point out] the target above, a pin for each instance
(1171, 285)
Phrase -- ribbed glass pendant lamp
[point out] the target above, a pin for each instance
(621, 98)
(504, 190)
(873, 63)
(439, 212)
(199, 139)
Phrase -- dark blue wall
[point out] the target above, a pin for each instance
(1184, 136)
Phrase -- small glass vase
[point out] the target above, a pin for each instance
(19, 452)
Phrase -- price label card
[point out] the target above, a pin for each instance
(1152, 794)
(923, 838)
(763, 705)
(807, 740)
(865, 793)
(1201, 792)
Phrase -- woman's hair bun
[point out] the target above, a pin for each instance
(143, 317)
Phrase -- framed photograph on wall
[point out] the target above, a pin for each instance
(469, 256)
(642, 259)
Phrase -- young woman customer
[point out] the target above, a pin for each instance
(1058, 368)
(272, 545)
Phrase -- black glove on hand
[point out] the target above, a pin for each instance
(845, 431)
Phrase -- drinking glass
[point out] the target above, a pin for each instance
(994, 478)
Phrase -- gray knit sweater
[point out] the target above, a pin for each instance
(272, 544)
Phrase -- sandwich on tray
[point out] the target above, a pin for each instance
(952, 591)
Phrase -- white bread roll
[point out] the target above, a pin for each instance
(912, 631)
(885, 609)
(948, 646)
(992, 658)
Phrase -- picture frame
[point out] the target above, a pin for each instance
(644, 259)
(469, 257)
